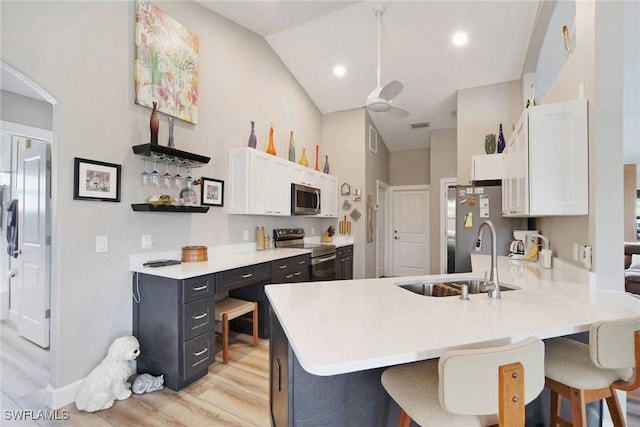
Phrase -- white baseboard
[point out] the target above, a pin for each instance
(59, 397)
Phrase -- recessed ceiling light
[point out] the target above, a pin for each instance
(339, 70)
(459, 39)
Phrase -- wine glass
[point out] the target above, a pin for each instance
(145, 178)
(177, 178)
(155, 175)
(167, 179)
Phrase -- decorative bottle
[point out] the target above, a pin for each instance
(171, 142)
(501, 143)
(317, 153)
(253, 141)
(292, 148)
(271, 149)
(303, 159)
(326, 165)
(154, 124)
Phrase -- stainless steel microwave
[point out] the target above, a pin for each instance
(304, 200)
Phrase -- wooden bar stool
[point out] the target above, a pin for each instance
(228, 309)
(476, 387)
(587, 373)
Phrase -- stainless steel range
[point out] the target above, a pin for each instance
(323, 257)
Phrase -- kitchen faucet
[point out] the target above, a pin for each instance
(493, 286)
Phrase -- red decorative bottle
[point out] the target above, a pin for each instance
(154, 124)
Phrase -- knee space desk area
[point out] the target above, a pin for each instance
(330, 342)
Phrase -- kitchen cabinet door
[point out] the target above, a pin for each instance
(303, 175)
(259, 183)
(328, 186)
(547, 162)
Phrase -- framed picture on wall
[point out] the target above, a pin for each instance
(373, 139)
(212, 192)
(94, 180)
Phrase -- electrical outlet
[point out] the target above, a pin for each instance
(102, 243)
(245, 235)
(586, 256)
(146, 241)
(313, 231)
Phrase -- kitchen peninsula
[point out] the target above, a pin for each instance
(330, 342)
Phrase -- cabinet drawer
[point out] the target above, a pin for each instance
(199, 317)
(198, 287)
(238, 277)
(198, 354)
(293, 277)
(283, 267)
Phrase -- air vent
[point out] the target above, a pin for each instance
(420, 125)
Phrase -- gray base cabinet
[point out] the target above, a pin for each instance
(344, 263)
(174, 321)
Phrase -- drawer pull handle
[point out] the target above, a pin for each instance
(201, 288)
(200, 353)
(302, 262)
(297, 273)
(288, 276)
(200, 316)
(246, 276)
(279, 374)
(193, 365)
(283, 266)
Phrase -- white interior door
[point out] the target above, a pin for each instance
(410, 232)
(30, 286)
(381, 228)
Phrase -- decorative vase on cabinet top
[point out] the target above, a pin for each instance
(154, 124)
(501, 142)
(271, 149)
(292, 148)
(253, 141)
(326, 165)
(303, 158)
(490, 143)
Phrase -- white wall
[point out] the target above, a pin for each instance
(480, 112)
(82, 53)
(631, 108)
(26, 111)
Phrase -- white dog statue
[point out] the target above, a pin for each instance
(108, 381)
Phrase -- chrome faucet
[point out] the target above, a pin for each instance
(493, 286)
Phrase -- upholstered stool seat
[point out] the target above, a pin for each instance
(228, 309)
(469, 387)
(587, 373)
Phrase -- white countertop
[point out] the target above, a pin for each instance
(218, 261)
(347, 326)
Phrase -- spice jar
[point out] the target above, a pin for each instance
(260, 238)
(267, 242)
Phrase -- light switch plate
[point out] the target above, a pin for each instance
(102, 243)
(146, 241)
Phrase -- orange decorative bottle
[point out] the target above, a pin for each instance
(317, 153)
(271, 149)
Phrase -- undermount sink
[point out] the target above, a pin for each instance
(442, 288)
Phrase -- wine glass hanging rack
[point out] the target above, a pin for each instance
(166, 154)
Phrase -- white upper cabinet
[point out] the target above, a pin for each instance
(546, 162)
(260, 184)
(487, 167)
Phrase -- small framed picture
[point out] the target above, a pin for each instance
(212, 192)
(345, 189)
(95, 180)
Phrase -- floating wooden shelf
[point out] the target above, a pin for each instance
(146, 207)
(168, 154)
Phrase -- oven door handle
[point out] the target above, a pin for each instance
(320, 260)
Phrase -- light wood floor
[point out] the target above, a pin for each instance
(236, 394)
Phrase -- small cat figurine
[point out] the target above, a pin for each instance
(146, 383)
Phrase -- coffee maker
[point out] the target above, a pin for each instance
(522, 243)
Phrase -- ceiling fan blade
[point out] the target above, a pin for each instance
(391, 90)
(397, 111)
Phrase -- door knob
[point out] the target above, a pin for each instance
(396, 237)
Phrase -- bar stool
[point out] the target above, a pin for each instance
(476, 387)
(228, 309)
(587, 373)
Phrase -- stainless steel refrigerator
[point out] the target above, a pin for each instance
(467, 207)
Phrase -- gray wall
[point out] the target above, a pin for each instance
(443, 165)
(25, 111)
(82, 54)
(410, 167)
(480, 112)
(377, 168)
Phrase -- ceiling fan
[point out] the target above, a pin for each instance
(380, 100)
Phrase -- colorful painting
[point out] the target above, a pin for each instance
(166, 64)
